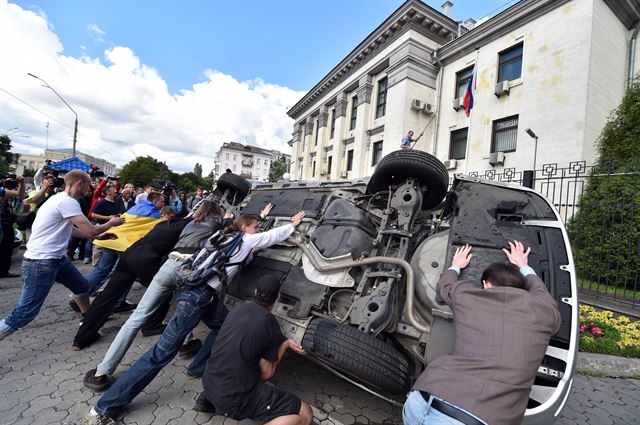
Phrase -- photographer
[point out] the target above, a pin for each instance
(11, 187)
(45, 261)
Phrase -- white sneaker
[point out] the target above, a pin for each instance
(86, 261)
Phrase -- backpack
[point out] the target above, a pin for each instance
(210, 261)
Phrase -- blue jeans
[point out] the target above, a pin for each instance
(199, 362)
(101, 270)
(161, 288)
(38, 277)
(418, 411)
(192, 306)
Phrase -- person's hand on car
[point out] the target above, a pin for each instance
(296, 219)
(517, 254)
(227, 215)
(266, 210)
(462, 257)
(106, 236)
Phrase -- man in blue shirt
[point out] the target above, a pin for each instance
(408, 140)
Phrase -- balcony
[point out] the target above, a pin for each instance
(247, 162)
(246, 174)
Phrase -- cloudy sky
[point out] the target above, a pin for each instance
(170, 79)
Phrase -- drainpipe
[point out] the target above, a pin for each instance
(632, 54)
(438, 106)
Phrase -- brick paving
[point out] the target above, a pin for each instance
(41, 379)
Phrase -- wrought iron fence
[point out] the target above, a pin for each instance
(599, 205)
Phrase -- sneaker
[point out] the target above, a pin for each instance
(124, 307)
(203, 405)
(74, 306)
(97, 383)
(92, 418)
(158, 330)
(189, 349)
(86, 261)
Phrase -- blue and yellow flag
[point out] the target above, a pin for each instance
(134, 228)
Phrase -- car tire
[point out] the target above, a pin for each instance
(402, 164)
(358, 355)
(234, 182)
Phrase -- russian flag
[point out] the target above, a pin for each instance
(468, 94)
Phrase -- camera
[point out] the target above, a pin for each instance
(53, 174)
(8, 181)
(94, 171)
(167, 189)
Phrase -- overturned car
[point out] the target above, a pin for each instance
(359, 275)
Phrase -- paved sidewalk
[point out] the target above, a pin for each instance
(41, 380)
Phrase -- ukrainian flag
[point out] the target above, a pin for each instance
(135, 227)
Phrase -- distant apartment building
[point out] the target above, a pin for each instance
(248, 161)
(25, 161)
(557, 67)
(109, 168)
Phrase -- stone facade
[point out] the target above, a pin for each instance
(573, 60)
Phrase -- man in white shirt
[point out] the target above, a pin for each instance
(45, 261)
(143, 196)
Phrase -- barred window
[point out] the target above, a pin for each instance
(505, 134)
(381, 105)
(458, 146)
(510, 66)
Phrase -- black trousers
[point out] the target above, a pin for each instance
(6, 248)
(141, 265)
(73, 244)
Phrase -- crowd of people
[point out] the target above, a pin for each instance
(144, 236)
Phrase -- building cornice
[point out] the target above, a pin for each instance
(412, 15)
(497, 26)
(628, 11)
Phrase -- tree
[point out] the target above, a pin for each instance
(146, 170)
(277, 169)
(29, 172)
(189, 182)
(6, 157)
(197, 169)
(606, 224)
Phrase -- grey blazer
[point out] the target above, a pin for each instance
(501, 337)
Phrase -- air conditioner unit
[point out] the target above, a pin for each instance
(457, 104)
(417, 105)
(429, 108)
(344, 174)
(450, 164)
(496, 158)
(502, 88)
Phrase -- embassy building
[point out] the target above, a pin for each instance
(557, 67)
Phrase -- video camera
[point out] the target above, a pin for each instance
(94, 171)
(167, 189)
(9, 181)
(53, 174)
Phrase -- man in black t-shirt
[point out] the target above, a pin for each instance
(107, 207)
(247, 352)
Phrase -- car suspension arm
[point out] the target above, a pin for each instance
(364, 262)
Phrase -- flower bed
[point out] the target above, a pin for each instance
(601, 332)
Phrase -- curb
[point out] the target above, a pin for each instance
(608, 366)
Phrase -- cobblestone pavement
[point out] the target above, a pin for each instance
(41, 379)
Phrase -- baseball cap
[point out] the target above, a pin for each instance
(267, 289)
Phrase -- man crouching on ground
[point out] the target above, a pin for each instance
(247, 352)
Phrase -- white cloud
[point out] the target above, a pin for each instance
(118, 98)
(96, 32)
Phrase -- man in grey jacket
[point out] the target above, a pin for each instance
(502, 333)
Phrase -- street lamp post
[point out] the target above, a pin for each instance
(535, 149)
(75, 128)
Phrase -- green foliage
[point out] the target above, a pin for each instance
(620, 336)
(277, 169)
(189, 182)
(207, 182)
(607, 224)
(6, 157)
(146, 170)
(29, 172)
